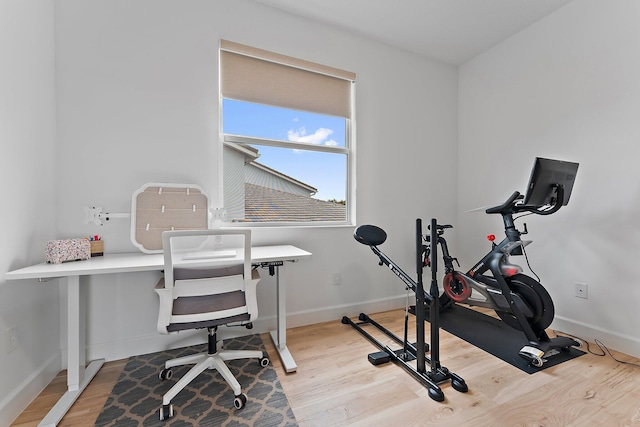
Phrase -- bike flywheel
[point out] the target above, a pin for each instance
(456, 287)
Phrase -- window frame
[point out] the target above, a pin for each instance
(348, 150)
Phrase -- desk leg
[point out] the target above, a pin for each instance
(279, 336)
(76, 356)
(78, 377)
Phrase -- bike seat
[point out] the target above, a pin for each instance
(370, 235)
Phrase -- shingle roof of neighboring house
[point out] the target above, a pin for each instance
(277, 175)
(264, 204)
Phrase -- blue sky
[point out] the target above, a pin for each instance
(324, 171)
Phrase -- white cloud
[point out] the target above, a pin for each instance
(319, 137)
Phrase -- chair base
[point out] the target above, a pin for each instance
(202, 362)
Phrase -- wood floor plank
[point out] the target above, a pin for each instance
(335, 385)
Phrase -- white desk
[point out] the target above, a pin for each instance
(79, 376)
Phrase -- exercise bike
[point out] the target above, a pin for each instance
(495, 283)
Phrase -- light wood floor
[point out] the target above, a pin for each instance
(335, 385)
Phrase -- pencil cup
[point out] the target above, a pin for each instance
(97, 248)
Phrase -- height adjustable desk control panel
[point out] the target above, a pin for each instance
(271, 265)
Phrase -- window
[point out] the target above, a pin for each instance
(287, 139)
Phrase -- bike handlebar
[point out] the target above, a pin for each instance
(506, 206)
(510, 206)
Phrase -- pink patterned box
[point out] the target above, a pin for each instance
(59, 251)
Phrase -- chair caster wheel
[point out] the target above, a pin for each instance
(264, 361)
(165, 374)
(166, 412)
(239, 401)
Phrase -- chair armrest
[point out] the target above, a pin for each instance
(250, 294)
(165, 308)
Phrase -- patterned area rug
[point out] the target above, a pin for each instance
(207, 401)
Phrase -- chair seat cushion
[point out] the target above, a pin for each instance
(208, 303)
(174, 327)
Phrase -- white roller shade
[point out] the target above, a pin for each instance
(255, 75)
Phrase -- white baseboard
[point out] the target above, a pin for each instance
(151, 343)
(613, 341)
(327, 314)
(18, 400)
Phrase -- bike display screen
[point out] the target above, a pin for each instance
(547, 173)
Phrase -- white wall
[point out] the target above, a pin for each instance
(137, 101)
(137, 92)
(565, 88)
(27, 210)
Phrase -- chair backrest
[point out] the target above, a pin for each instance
(208, 280)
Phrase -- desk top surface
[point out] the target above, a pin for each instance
(132, 262)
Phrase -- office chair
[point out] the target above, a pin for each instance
(208, 282)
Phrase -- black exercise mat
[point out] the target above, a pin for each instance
(494, 336)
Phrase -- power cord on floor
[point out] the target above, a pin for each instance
(603, 348)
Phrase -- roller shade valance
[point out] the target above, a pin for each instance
(255, 75)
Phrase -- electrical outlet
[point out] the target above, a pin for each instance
(337, 279)
(582, 290)
(12, 339)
